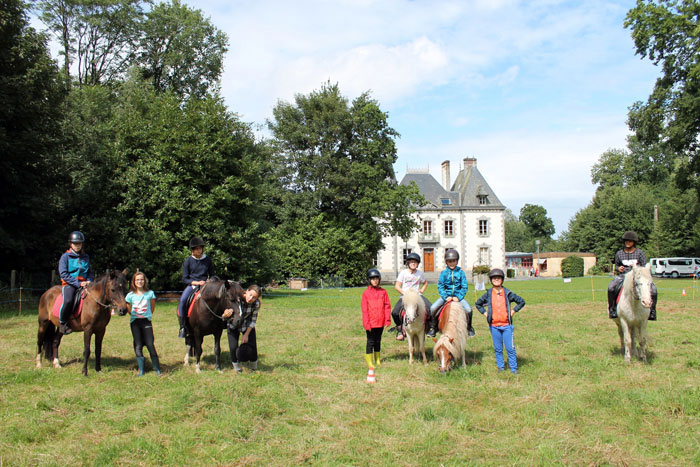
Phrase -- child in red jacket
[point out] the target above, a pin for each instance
(376, 314)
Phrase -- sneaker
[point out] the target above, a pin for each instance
(431, 332)
(399, 336)
(652, 315)
(612, 313)
(182, 333)
(237, 367)
(471, 332)
(64, 328)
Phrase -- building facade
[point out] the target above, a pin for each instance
(465, 215)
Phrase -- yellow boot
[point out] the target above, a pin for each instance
(368, 359)
(377, 361)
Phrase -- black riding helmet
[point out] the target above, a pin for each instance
(76, 237)
(195, 242)
(244, 352)
(412, 256)
(374, 273)
(496, 273)
(451, 254)
(631, 236)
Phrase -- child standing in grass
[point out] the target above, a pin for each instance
(248, 349)
(141, 302)
(500, 318)
(376, 314)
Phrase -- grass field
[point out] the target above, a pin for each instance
(574, 402)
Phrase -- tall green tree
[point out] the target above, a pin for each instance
(31, 96)
(666, 32)
(180, 50)
(335, 162)
(536, 221)
(517, 236)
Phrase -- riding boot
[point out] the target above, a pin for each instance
(652, 309)
(612, 306)
(433, 326)
(140, 361)
(470, 329)
(377, 359)
(368, 360)
(183, 332)
(156, 364)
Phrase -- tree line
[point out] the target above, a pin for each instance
(653, 185)
(130, 141)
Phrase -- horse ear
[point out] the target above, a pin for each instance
(452, 339)
(221, 292)
(227, 284)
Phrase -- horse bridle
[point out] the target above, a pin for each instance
(209, 308)
(111, 306)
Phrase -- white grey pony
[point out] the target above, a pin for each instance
(633, 312)
(414, 323)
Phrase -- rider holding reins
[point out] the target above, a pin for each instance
(195, 271)
(625, 259)
(75, 271)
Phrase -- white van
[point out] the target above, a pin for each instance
(675, 267)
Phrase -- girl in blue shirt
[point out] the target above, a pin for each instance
(141, 303)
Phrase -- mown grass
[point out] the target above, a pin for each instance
(574, 402)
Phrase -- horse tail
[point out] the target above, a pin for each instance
(49, 334)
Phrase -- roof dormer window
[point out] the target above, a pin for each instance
(445, 201)
(483, 199)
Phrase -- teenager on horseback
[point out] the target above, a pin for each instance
(195, 272)
(625, 258)
(453, 286)
(75, 271)
(409, 278)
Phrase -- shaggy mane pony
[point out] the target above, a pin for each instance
(456, 330)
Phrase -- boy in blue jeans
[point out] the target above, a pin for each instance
(500, 318)
(452, 287)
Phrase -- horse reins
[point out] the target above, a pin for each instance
(209, 308)
(111, 306)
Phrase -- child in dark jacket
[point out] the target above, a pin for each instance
(376, 314)
(75, 271)
(500, 318)
(195, 272)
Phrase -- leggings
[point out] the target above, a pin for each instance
(374, 340)
(233, 335)
(142, 330)
(68, 292)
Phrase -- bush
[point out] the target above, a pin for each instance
(600, 270)
(482, 269)
(572, 266)
(510, 273)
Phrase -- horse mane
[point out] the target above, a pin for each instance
(208, 290)
(411, 297)
(455, 329)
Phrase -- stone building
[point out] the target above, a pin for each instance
(465, 215)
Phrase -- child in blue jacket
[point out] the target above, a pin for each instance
(453, 286)
(75, 271)
(500, 318)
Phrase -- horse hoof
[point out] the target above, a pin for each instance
(197, 370)
(56, 364)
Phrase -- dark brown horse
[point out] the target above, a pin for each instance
(216, 296)
(103, 295)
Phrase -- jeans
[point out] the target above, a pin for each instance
(504, 335)
(440, 301)
(181, 311)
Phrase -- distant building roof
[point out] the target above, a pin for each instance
(469, 190)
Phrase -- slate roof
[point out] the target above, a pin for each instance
(464, 192)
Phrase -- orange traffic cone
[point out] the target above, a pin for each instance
(370, 376)
(683, 294)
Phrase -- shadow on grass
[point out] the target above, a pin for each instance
(616, 351)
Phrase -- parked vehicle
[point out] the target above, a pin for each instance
(675, 267)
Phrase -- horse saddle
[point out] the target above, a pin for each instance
(76, 308)
(191, 301)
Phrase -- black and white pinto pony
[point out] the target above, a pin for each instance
(414, 323)
(633, 312)
(452, 343)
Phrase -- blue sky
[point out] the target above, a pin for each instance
(535, 90)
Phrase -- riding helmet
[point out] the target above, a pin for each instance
(496, 273)
(412, 256)
(631, 236)
(195, 242)
(451, 254)
(76, 237)
(245, 352)
(374, 273)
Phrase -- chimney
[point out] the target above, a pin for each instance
(469, 162)
(446, 175)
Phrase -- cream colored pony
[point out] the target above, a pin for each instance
(633, 312)
(453, 342)
(414, 323)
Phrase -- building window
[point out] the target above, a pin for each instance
(483, 227)
(449, 228)
(445, 201)
(428, 227)
(406, 252)
(484, 255)
(483, 199)
(375, 261)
